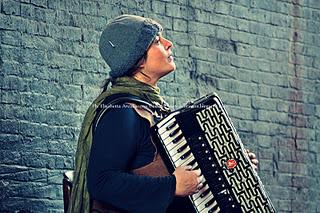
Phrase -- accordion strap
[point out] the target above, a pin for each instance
(136, 102)
(143, 112)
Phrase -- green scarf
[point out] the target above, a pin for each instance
(80, 201)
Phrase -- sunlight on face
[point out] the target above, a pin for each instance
(159, 60)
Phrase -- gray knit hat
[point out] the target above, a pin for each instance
(125, 40)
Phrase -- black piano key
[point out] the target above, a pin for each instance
(182, 148)
(177, 139)
(192, 162)
(209, 202)
(197, 167)
(204, 184)
(205, 193)
(171, 125)
(185, 155)
(174, 132)
(213, 209)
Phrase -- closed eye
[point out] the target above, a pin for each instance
(157, 40)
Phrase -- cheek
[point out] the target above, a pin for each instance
(156, 57)
(158, 52)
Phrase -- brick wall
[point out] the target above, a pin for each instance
(262, 57)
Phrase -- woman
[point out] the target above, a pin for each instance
(118, 168)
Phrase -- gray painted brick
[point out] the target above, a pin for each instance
(200, 28)
(222, 7)
(39, 3)
(239, 11)
(28, 11)
(242, 37)
(89, 8)
(223, 20)
(175, 10)
(259, 15)
(57, 5)
(181, 38)
(11, 7)
(222, 33)
(202, 16)
(158, 7)
(279, 44)
(242, 25)
(181, 51)
(180, 25)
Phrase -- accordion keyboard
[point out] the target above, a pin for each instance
(181, 155)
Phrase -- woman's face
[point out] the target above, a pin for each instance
(159, 60)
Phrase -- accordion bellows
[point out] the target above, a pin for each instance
(202, 135)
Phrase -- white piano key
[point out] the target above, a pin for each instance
(166, 133)
(174, 139)
(184, 162)
(166, 119)
(202, 179)
(189, 159)
(195, 165)
(177, 137)
(166, 122)
(197, 195)
(203, 203)
(207, 209)
(178, 155)
(167, 139)
(199, 200)
(164, 128)
(174, 151)
(171, 145)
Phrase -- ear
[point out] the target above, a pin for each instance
(142, 63)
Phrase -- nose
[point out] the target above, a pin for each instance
(167, 43)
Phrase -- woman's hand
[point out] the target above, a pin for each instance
(253, 159)
(188, 181)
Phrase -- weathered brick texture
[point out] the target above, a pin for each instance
(262, 57)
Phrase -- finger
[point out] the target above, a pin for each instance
(200, 186)
(252, 155)
(200, 179)
(188, 167)
(197, 172)
(255, 161)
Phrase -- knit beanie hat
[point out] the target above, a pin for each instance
(125, 40)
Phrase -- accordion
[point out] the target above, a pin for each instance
(202, 135)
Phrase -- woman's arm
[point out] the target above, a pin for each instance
(115, 144)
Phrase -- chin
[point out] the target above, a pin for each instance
(173, 67)
(168, 71)
(171, 70)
